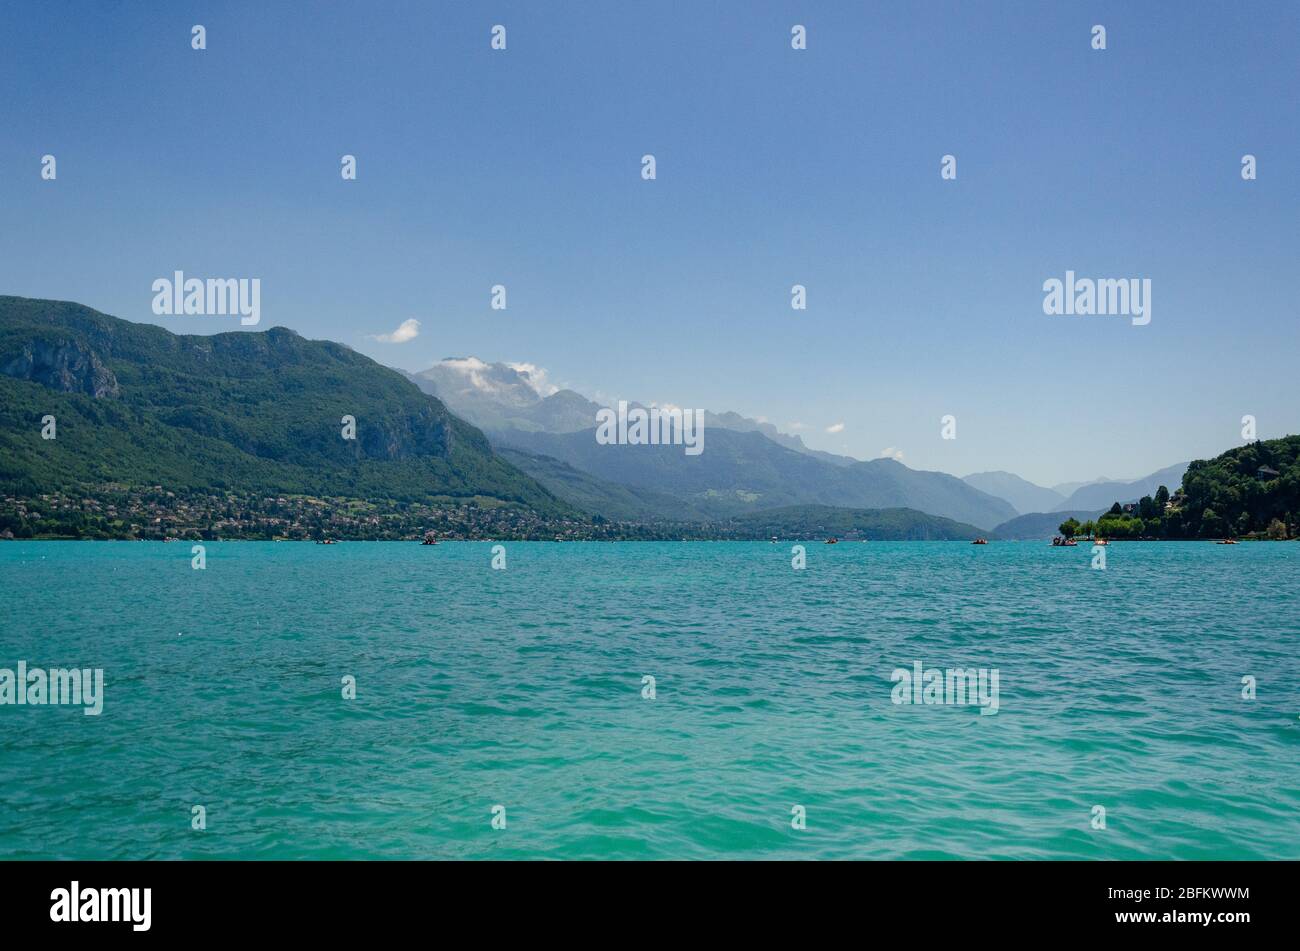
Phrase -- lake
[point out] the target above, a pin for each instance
(772, 701)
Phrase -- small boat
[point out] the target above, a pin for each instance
(1227, 541)
(1100, 541)
(429, 539)
(980, 541)
(832, 540)
(326, 541)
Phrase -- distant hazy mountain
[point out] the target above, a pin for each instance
(598, 496)
(743, 424)
(1067, 489)
(1024, 496)
(503, 396)
(1039, 524)
(741, 472)
(1104, 494)
(564, 411)
(748, 464)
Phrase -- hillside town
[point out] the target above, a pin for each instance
(117, 512)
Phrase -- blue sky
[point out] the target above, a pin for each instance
(775, 167)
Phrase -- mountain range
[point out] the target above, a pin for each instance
(743, 472)
(1026, 497)
(500, 397)
(1103, 494)
(520, 411)
(748, 465)
(264, 412)
(1023, 495)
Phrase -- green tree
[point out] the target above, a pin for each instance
(1212, 525)
(1069, 528)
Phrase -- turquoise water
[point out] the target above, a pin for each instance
(522, 687)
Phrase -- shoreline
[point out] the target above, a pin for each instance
(793, 539)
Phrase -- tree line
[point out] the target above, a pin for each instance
(1249, 492)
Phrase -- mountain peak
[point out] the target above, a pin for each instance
(1023, 495)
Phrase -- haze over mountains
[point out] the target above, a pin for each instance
(747, 465)
(502, 396)
(1104, 494)
(505, 396)
(1027, 497)
(1066, 489)
(1024, 496)
(521, 411)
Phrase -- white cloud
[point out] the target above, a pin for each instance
(796, 425)
(471, 370)
(465, 365)
(519, 384)
(537, 378)
(835, 428)
(408, 330)
(889, 452)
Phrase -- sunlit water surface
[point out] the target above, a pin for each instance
(477, 687)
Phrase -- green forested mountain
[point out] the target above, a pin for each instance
(1244, 490)
(254, 412)
(1251, 490)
